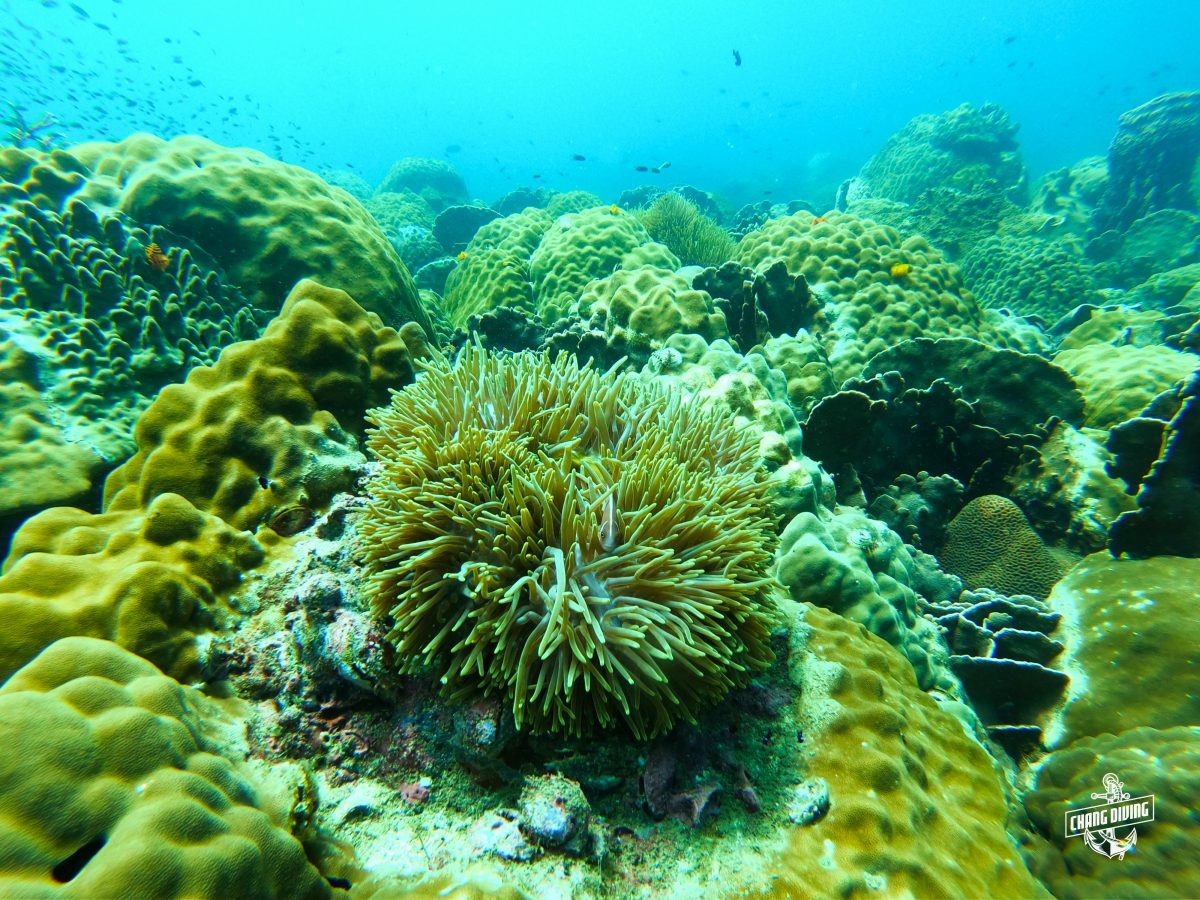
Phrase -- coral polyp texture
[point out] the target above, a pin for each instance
(594, 550)
(114, 782)
(268, 224)
(878, 287)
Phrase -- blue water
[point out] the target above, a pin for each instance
(510, 91)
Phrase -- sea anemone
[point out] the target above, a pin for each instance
(594, 550)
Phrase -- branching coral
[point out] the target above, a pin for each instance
(595, 550)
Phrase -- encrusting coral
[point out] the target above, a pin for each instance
(595, 550)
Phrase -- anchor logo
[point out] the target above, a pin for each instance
(1097, 824)
(1105, 842)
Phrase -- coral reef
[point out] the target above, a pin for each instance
(1164, 763)
(559, 537)
(1135, 626)
(847, 263)
(1152, 160)
(1002, 649)
(860, 569)
(586, 245)
(972, 149)
(122, 784)
(990, 544)
(433, 180)
(272, 424)
(111, 327)
(266, 223)
(914, 806)
(1029, 275)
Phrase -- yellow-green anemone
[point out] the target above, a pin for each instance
(592, 549)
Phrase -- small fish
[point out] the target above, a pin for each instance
(656, 170)
(900, 270)
(610, 528)
(80, 11)
(155, 257)
(1010, 39)
(614, 209)
(537, 176)
(579, 158)
(737, 58)
(462, 255)
(818, 220)
(665, 165)
(641, 168)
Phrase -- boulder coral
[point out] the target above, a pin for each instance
(268, 224)
(114, 781)
(848, 263)
(272, 423)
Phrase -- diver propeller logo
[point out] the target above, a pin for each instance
(1098, 824)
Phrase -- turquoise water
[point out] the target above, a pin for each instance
(599, 451)
(519, 89)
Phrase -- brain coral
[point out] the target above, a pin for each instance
(268, 224)
(580, 247)
(113, 783)
(848, 263)
(990, 544)
(593, 550)
(1136, 626)
(1166, 860)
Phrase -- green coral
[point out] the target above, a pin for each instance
(1136, 626)
(1030, 276)
(870, 305)
(593, 550)
(435, 181)
(1164, 863)
(114, 782)
(571, 202)
(112, 329)
(580, 247)
(1118, 382)
(972, 149)
(640, 309)
(494, 273)
(860, 569)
